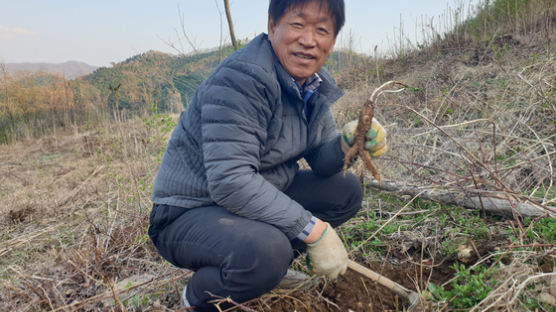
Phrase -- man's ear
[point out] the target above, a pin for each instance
(271, 26)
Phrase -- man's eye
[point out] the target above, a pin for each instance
(297, 25)
(322, 31)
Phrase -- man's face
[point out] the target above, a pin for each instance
(302, 39)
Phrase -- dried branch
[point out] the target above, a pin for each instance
(79, 305)
(181, 50)
(526, 282)
(548, 157)
(494, 205)
(220, 300)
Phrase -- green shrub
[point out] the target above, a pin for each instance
(469, 287)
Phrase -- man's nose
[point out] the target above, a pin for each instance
(307, 38)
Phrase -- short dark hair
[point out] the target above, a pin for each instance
(277, 9)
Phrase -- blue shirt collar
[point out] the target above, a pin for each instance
(309, 87)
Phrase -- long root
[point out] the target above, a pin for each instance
(363, 125)
(358, 147)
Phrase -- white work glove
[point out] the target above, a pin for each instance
(327, 255)
(375, 139)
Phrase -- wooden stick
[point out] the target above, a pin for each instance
(410, 295)
(494, 205)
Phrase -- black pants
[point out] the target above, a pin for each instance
(241, 258)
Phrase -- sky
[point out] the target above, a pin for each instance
(102, 32)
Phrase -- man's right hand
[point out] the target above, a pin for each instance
(328, 255)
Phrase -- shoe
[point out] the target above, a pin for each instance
(294, 279)
(183, 300)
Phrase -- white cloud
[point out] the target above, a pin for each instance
(13, 32)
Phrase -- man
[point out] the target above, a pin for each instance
(230, 201)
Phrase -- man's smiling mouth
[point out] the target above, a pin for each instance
(304, 56)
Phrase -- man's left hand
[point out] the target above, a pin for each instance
(375, 138)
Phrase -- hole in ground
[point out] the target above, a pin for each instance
(355, 292)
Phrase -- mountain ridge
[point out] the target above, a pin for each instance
(69, 69)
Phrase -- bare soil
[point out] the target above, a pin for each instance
(352, 291)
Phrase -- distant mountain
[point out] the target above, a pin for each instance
(165, 82)
(69, 70)
(149, 81)
(153, 80)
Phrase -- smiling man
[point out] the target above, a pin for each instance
(230, 202)
(302, 39)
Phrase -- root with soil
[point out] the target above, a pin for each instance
(364, 123)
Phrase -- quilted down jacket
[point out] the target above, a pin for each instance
(238, 142)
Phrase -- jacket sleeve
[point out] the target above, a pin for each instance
(236, 109)
(327, 158)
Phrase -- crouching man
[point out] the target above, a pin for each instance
(230, 202)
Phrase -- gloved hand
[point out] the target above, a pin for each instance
(375, 139)
(327, 255)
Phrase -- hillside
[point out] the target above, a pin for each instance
(69, 70)
(34, 104)
(163, 80)
(462, 216)
(155, 78)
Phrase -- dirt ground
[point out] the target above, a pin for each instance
(355, 292)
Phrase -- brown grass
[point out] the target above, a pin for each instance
(76, 217)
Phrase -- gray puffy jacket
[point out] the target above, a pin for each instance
(238, 143)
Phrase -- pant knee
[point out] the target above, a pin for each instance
(276, 257)
(274, 254)
(262, 261)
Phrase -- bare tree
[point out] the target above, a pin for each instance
(184, 33)
(221, 42)
(231, 24)
(179, 48)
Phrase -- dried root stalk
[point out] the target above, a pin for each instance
(363, 125)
